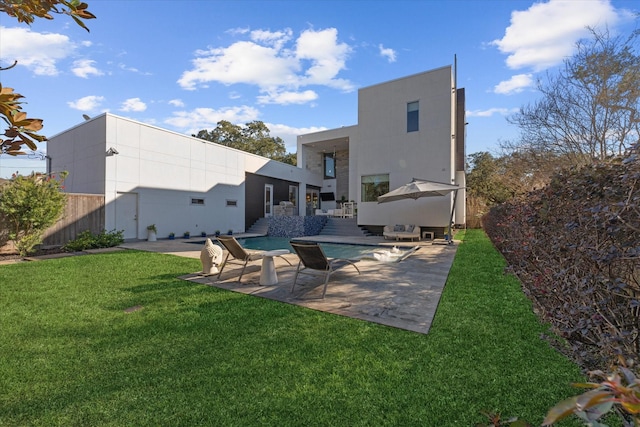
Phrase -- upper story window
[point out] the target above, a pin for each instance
(329, 166)
(412, 116)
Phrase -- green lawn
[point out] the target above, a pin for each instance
(197, 355)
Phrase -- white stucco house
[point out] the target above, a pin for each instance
(409, 127)
(412, 127)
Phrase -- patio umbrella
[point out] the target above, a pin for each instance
(418, 188)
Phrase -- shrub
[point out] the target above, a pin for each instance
(617, 393)
(88, 240)
(29, 205)
(575, 245)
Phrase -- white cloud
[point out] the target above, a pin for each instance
(327, 56)
(285, 98)
(207, 118)
(242, 62)
(125, 67)
(515, 84)
(388, 53)
(290, 134)
(84, 68)
(176, 103)
(38, 52)
(133, 104)
(543, 35)
(276, 39)
(264, 61)
(491, 111)
(87, 103)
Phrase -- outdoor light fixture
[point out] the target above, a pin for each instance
(112, 151)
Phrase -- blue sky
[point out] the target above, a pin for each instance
(295, 65)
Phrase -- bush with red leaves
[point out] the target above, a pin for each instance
(575, 245)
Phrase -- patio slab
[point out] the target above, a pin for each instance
(403, 295)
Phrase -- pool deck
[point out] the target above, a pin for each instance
(403, 295)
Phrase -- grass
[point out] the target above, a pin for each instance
(197, 355)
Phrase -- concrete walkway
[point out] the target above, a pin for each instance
(403, 295)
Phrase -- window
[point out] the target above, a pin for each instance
(374, 186)
(329, 166)
(232, 203)
(197, 201)
(293, 194)
(412, 116)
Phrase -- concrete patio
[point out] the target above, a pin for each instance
(403, 295)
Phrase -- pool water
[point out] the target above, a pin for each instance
(331, 250)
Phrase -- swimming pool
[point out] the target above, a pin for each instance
(332, 250)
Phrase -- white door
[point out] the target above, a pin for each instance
(127, 214)
(268, 200)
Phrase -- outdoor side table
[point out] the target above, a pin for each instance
(268, 274)
(427, 233)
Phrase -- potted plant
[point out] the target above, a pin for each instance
(217, 233)
(152, 233)
(186, 235)
(203, 234)
(230, 232)
(172, 236)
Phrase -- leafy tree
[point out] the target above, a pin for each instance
(28, 206)
(493, 180)
(22, 130)
(253, 138)
(484, 180)
(589, 110)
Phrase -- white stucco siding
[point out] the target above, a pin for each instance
(177, 182)
(385, 146)
(82, 155)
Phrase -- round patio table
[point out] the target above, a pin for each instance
(268, 274)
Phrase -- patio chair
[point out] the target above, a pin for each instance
(239, 254)
(313, 261)
(348, 210)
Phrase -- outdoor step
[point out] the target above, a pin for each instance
(261, 226)
(342, 227)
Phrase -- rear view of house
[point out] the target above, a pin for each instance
(413, 127)
(407, 128)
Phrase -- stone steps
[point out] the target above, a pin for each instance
(261, 226)
(342, 227)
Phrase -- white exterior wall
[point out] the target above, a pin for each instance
(163, 170)
(380, 144)
(385, 146)
(82, 155)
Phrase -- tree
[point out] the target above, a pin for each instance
(494, 180)
(21, 129)
(589, 110)
(28, 206)
(253, 138)
(484, 179)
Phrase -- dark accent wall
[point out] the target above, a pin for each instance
(461, 131)
(254, 195)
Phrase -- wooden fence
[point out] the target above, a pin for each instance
(83, 212)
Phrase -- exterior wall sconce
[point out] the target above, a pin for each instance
(112, 151)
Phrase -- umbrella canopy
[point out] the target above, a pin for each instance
(416, 189)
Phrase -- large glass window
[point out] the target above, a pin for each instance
(413, 109)
(329, 166)
(293, 194)
(374, 186)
